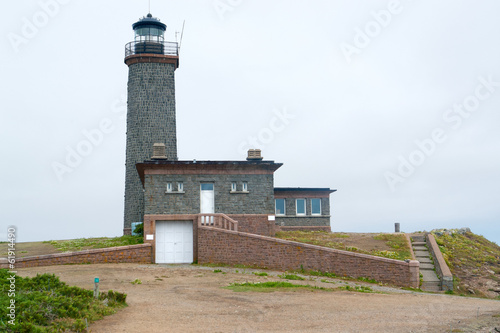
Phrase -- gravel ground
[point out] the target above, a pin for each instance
(189, 298)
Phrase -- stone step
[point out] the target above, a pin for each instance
(420, 248)
(429, 276)
(426, 266)
(424, 260)
(418, 244)
(422, 254)
(431, 286)
(418, 238)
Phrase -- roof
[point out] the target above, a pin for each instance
(303, 189)
(195, 166)
(149, 20)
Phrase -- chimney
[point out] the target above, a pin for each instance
(254, 155)
(159, 152)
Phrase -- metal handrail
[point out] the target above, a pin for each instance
(151, 47)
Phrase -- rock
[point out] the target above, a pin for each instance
(471, 291)
(438, 233)
(463, 231)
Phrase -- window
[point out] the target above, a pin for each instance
(280, 206)
(169, 187)
(315, 206)
(301, 206)
(207, 186)
(233, 187)
(180, 187)
(245, 187)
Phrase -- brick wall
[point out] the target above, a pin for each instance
(140, 253)
(255, 224)
(230, 247)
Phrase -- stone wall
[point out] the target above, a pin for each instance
(309, 221)
(150, 119)
(230, 247)
(304, 228)
(292, 219)
(258, 200)
(140, 253)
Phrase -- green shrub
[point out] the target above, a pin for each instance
(46, 304)
(139, 229)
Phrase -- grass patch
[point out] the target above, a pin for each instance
(136, 281)
(217, 270)
(291, 277)
(269, 286)
(359, 289)
(364, 279)
(73, 245)
(260, 273)
(400, 249)
(46, 304)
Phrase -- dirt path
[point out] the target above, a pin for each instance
(190, 299)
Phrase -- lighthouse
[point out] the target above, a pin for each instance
(152, 62)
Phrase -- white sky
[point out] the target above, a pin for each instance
(356, 113)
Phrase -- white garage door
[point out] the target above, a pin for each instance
(174, 242)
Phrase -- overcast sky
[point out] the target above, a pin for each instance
(393, 103)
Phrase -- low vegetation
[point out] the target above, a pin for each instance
(397, 243)
(359, 289)
(46, 304)
(94, 243)
(270, 286)
(474, 262)
(291, 277)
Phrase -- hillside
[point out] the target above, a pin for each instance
(473, 260)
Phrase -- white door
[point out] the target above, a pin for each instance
(207, 205)
(174, 242)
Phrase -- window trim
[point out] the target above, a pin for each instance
(297, 206)
(234, 186)
(284, 207)
(180, 186)
(320, 207)
(169, 187)
(244, 186)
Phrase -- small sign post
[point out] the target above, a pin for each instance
(96, 287)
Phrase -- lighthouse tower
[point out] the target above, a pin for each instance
(151, 106)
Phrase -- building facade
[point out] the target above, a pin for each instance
(174, 198)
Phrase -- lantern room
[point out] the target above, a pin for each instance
(149, 29)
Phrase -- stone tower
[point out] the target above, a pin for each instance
(151, 106)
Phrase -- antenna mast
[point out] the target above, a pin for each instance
(149, 6)
(182, 34)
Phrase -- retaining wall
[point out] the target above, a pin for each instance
(304, 228)
(442, 269)
(231, 247)
(140, 253)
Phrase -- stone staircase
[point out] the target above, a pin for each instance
(431, 282)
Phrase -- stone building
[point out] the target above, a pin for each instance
(173, 198)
